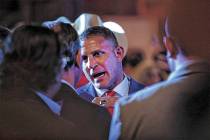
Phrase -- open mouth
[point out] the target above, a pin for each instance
(97, 75)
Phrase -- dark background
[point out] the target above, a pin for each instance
(13, 11)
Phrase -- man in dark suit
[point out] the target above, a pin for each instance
(94, 120)
(102, 64)
(29, 80)
(178, 108)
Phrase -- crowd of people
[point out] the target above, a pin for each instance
(41, 66)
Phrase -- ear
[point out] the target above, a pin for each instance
(119, 53)
(170, 47)
(78, 59)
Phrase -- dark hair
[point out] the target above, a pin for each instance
(69, 43)
(101, 31)
(34, 61)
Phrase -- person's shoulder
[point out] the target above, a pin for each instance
(65, 92)
(72, 99)
(101, 111)
(134, 85)
(67, 88)
(93, 112)
(133, 81)
(141, 95)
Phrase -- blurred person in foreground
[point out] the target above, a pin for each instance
(178, 108)
(94, 120)
(102, 64)
(30, 75)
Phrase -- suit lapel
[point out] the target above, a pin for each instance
(92, 92)
(88, 92)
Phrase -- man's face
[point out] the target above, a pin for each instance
(147, 63)
(101, 62)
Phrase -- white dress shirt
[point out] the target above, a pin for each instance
(121, 89)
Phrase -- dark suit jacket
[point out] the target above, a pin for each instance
(178, 108)
(23, 115)
(94, 120)
(88, 91)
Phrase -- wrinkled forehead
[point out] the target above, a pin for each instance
(96, 43)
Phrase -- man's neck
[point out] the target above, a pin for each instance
(69, 78)
(122, 76)
(124, 84)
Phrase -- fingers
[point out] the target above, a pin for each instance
(105, 101)
(99, 101)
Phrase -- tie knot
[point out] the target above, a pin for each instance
(110, 93)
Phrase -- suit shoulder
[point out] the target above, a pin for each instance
(134, 82)
(140, 95)
(135, 86)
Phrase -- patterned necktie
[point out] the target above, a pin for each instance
(110, 94)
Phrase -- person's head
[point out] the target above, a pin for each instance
(34, 61)
(146, 58)
(101, 57)
(187, 29)
(69, 48)
(147, 64)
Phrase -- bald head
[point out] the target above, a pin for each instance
(188, 23)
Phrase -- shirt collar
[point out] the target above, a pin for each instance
(121, 89)
(54, 107)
